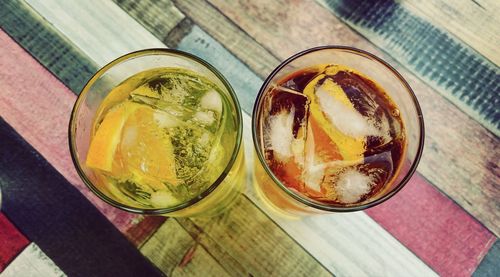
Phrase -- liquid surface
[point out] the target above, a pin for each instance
(331, 134)
(157, 138)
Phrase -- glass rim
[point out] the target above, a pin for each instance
(152, 52)
(305, 200)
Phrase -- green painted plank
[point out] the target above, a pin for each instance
(158, 17)
(455, 70)
(46, 44)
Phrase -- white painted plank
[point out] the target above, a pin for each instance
(347, 244)
(32, 262)
(100, 29)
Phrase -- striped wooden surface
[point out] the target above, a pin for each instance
(445, 221)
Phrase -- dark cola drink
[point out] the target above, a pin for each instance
(332, 134)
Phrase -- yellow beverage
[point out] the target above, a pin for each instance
(161, 139)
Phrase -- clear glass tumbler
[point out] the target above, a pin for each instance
(218, 195)
(286, 201)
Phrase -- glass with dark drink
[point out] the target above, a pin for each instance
(335, 129)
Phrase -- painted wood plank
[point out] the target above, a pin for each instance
(474, 22)
(42, 117)
(158, 17)
(434, 228)
(231, 36)
(32, 262)
(452, 68)
(13, 241)
(175, 252)
(46, 44)
(412, 262)
(261, 248)
(460, 157)
(198, 265)
(100, 35)
(490, 265)
(245, 83)
(350, 244)
(58, 218)
(139, 233)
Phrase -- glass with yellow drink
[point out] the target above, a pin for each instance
(159, 132)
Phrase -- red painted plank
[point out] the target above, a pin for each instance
(12, 242)
(38, 106)
(140, 232)
(435, 228)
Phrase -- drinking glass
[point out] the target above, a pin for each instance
(287, 202)
(217, 196)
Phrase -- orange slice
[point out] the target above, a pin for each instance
(146, 148)
(107, 137)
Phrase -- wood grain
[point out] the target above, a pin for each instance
(158, 17)
(58, 218)
(42, 117)
(175, 252)
(347, 244)
(436, 229)
(46, 44)
(32, 262)
(409, 261)
(452, 68)
(217, 25)
(245, 83)
(200, 260)
(475, 23)
(94, 31)
(261, 248)
(469, 180)
(490, 266)
(325, 249)
(12, 240)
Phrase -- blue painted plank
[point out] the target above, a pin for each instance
(457, 71)
(490, 265)
(243, 80)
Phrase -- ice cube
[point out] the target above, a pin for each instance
(166, 120)
(314, 169)
(163, 199)
(341, 113)
(206, 118)
(211, 100)
(352, 185)
(174, 109)
(280, 134)
(285, 124)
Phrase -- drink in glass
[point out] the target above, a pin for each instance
(335, 129)
(159, 131)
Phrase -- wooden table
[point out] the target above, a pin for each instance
(446, 221)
